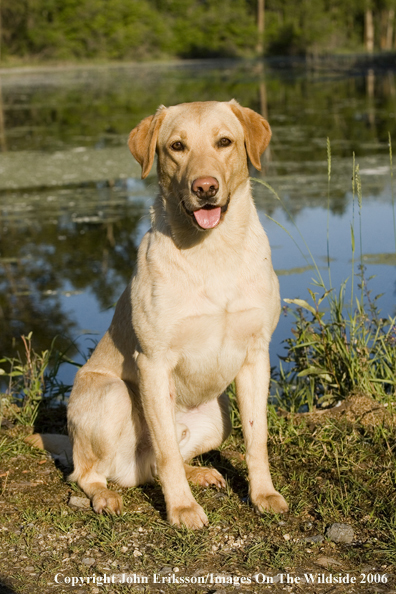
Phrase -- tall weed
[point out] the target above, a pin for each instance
(336, 348)
(33, 381)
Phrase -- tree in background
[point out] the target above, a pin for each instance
(142, 29)
(208, 28)
(386, 11)
(368, 27)
(62, 29)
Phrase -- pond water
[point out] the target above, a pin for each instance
(73, 207)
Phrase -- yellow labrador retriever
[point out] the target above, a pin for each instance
(199, 313)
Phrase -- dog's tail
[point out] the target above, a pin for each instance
(58, 445)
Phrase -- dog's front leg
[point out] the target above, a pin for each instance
(252, 384)
(158, 404)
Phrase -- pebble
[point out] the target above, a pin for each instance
(276, 578)
(88, 561)
(220, 496)
(79, 503)
(340, 533)
(328, 562)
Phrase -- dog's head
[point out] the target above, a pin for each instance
(202, 152)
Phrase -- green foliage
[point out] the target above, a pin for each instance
(333, 353)
(214, 29)
(27, 382)
(32, 378)
(139, 29)
(91, 29)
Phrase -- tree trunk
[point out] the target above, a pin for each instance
(369, 30)
(260, 26)
(383, 27)
(389, 28)
(386, 33)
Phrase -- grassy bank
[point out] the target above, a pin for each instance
(335, 468)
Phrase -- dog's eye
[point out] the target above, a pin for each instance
(224, 142)
(177, 146)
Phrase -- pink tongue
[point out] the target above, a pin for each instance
(207, 219)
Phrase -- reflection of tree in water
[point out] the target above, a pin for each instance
(302, 105)
(39, 261)
(26, 282)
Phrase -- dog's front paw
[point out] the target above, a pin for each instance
(106, 500)
(192, 516)
(200, 475)
(273, 502)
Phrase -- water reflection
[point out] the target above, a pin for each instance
(3, 143)
(99, 107)
(86, 241)
(60, 240)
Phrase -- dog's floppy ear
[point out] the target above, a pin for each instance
(142, 140)
(257, 131)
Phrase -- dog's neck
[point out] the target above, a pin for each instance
(168, 218)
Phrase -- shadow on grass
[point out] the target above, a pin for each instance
(4, 589)
(51, 419)
(237, 482)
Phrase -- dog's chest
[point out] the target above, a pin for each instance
(203, 315)
(211, 342)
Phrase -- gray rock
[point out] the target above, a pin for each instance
(88, 561)
(328, 562)
(276, 578)
(340, 533)
(79, 503)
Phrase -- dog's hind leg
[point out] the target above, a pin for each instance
(95, 486)
(208, 426)
(104, 434)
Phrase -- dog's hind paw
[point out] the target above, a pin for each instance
(106, 500)
(204, 476)
(273, 502)
(191, 516)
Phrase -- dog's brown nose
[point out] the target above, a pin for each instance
(205, 187)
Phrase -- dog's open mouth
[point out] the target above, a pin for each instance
(208, 216)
